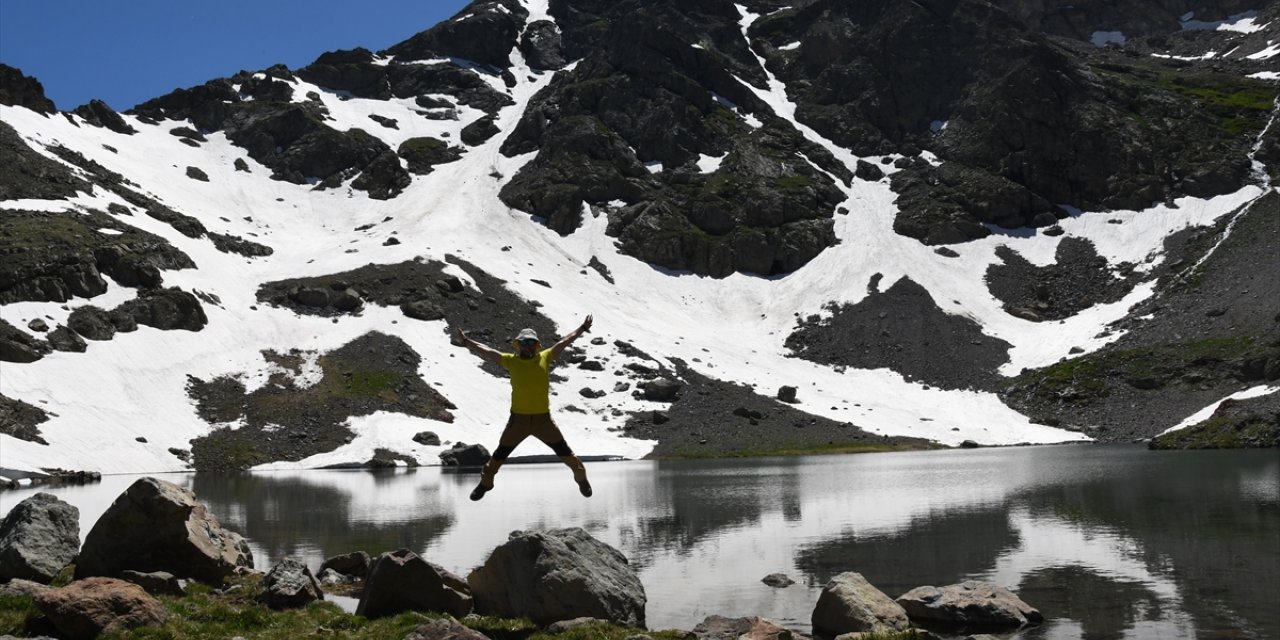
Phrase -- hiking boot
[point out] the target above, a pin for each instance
(480, 490)
(584, 488)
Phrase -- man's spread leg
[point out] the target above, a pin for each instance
(545, 429)
(575, 464)
(515, 433)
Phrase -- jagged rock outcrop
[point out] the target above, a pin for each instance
(885, 76)
(17, 418)
(24, 173)
(767, 208)
(158, 526)
(167, 309)
(100, 114)
(17, 345)
(483, 32)
(54, 257)
(39, 537)
(20, 90)
(558, 574)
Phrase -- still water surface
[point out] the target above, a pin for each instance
(1107, 541)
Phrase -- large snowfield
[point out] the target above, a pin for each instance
(133, 386)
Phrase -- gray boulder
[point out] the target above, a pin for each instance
(754, 628)
(402, 581)
(662, 390)
(427, 438)
(558, 574)
(289, 585)
(444, 629)
(422, 310)
(355, 564)
(465, 455)
(64, 339)
(166, 309)
(88, 608)
(92, 323)
(968, 604)
(848, 603)
(19, 588)
(155, 583)
(158, 526)
(38, 538)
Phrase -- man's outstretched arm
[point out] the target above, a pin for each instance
(484, 353)
(573, 335)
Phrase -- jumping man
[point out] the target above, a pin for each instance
(530, 405)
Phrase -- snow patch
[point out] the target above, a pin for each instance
(1245, 22)
(1271, 51)
(1207, 412)
(791, 46)
(709, 164)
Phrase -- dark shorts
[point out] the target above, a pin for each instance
(521, 426)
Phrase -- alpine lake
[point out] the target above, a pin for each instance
(1108, 541)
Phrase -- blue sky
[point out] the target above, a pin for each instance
(129, 51)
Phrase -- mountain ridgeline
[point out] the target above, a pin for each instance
(719, 140)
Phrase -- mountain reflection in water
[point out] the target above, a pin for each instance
(1107, 541)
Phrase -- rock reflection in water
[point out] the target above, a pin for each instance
(323, 514)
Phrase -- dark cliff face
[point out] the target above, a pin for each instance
(1032, 121)
(659, 126)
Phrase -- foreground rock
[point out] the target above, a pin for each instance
(38, 538)
(850, 604)
(155, 583)
(967, 605)
(355, 564)
(402, 581)
(158, 526)
(558, 574)
(289, 585)
(445, 629)
(464, 455)
(754, 628)
(91, 607)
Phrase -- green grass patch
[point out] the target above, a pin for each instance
(1223, 432)
(1240, 105)
(792, 183)
(205, 614)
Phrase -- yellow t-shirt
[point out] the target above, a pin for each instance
(530, 382)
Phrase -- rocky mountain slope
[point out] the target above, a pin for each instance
(934, 221)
